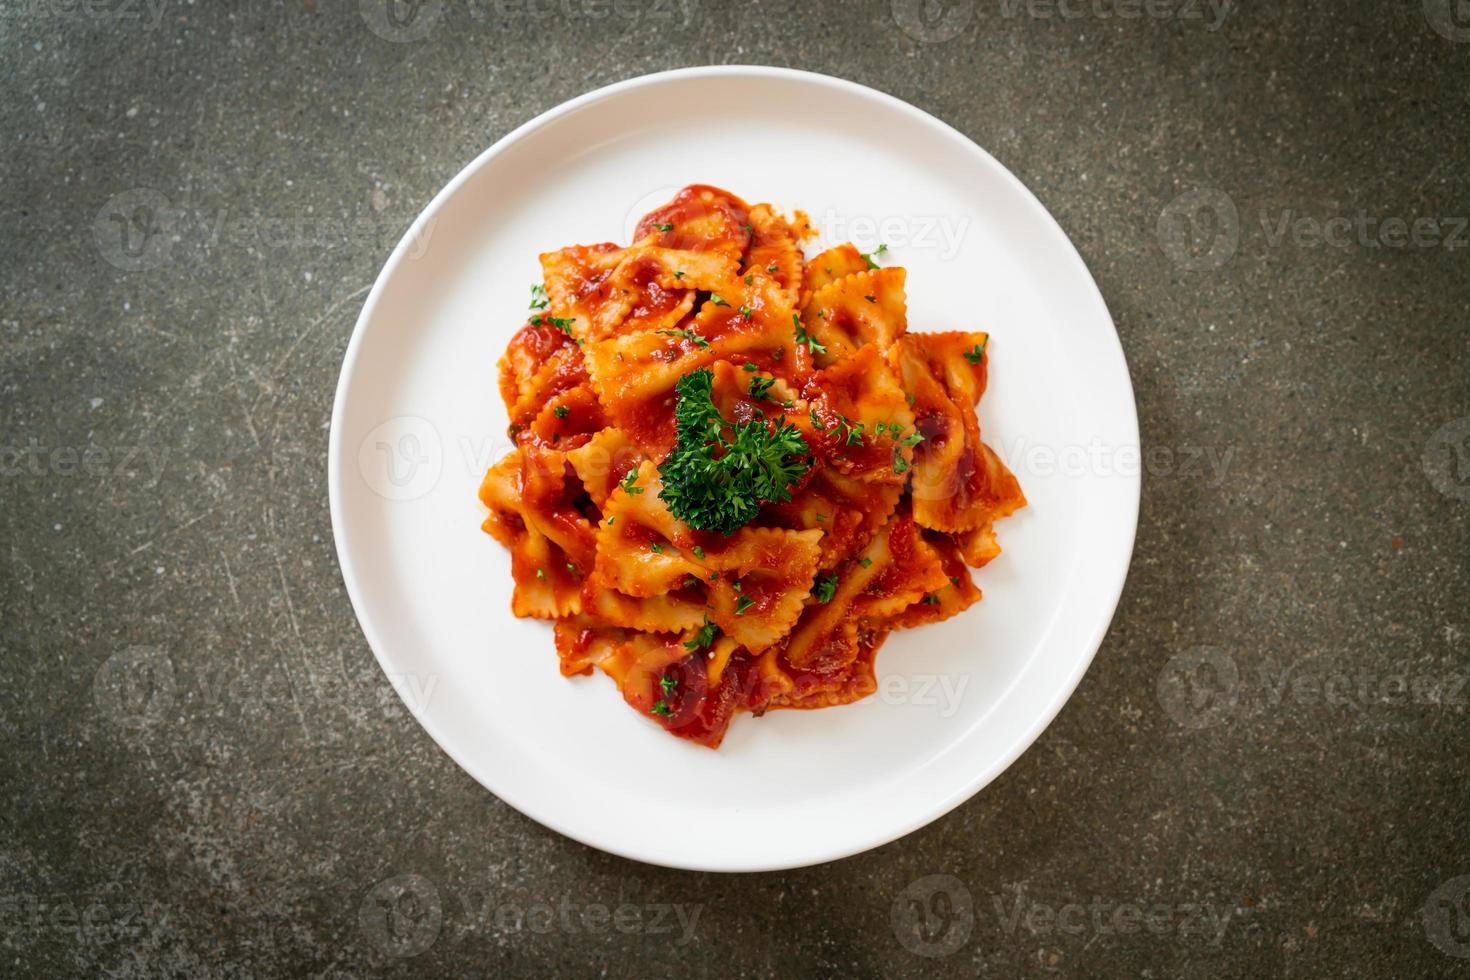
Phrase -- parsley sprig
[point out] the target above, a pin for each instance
(562, 324)
(825, 587)
(802, 337)
(704, 637)
(698, 340)
(719, 473)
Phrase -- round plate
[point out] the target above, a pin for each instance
(418, 419)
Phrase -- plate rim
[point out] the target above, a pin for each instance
(336, 463)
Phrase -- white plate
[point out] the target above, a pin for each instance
(418, 419)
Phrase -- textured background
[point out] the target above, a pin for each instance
(204, 771)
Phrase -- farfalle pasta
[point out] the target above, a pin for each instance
(736, 470)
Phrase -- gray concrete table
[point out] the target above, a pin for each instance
(206, 774)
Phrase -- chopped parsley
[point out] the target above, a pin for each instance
(931, 600)
(541, 573)
(760, 387)
(686, 335)
(571, 568)
(742, 603)
(913, 440)
(871, 299)
(704, 637)
(561, 411)
(699, 552)
(817, 422)
(630, 483)
(717, 299)
(714, 481)
(750, 367)
(868, 256)
(825, 587)
(900, 465)
(773, 268)
(852, 435)
(539, 299)
(564, 325)
(666, 227)
(802, 337)
(865, 561)
(750, 279)
(678, 275)
(668, 684)
(655, 547)
(974, 354)
(661, 709)
(611, 519)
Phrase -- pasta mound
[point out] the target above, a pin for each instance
(736, 471)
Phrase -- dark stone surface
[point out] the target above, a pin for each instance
(204, 771)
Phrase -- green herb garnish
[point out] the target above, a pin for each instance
(539, 299)
(825, 587)
(630, 483)
(719, 473)
(667, 227)
(802, 337)
(760, 387)
(686, 335)
(974, 354)
(868, 256)
(561, 411)
(704, 637)
(562, 324)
